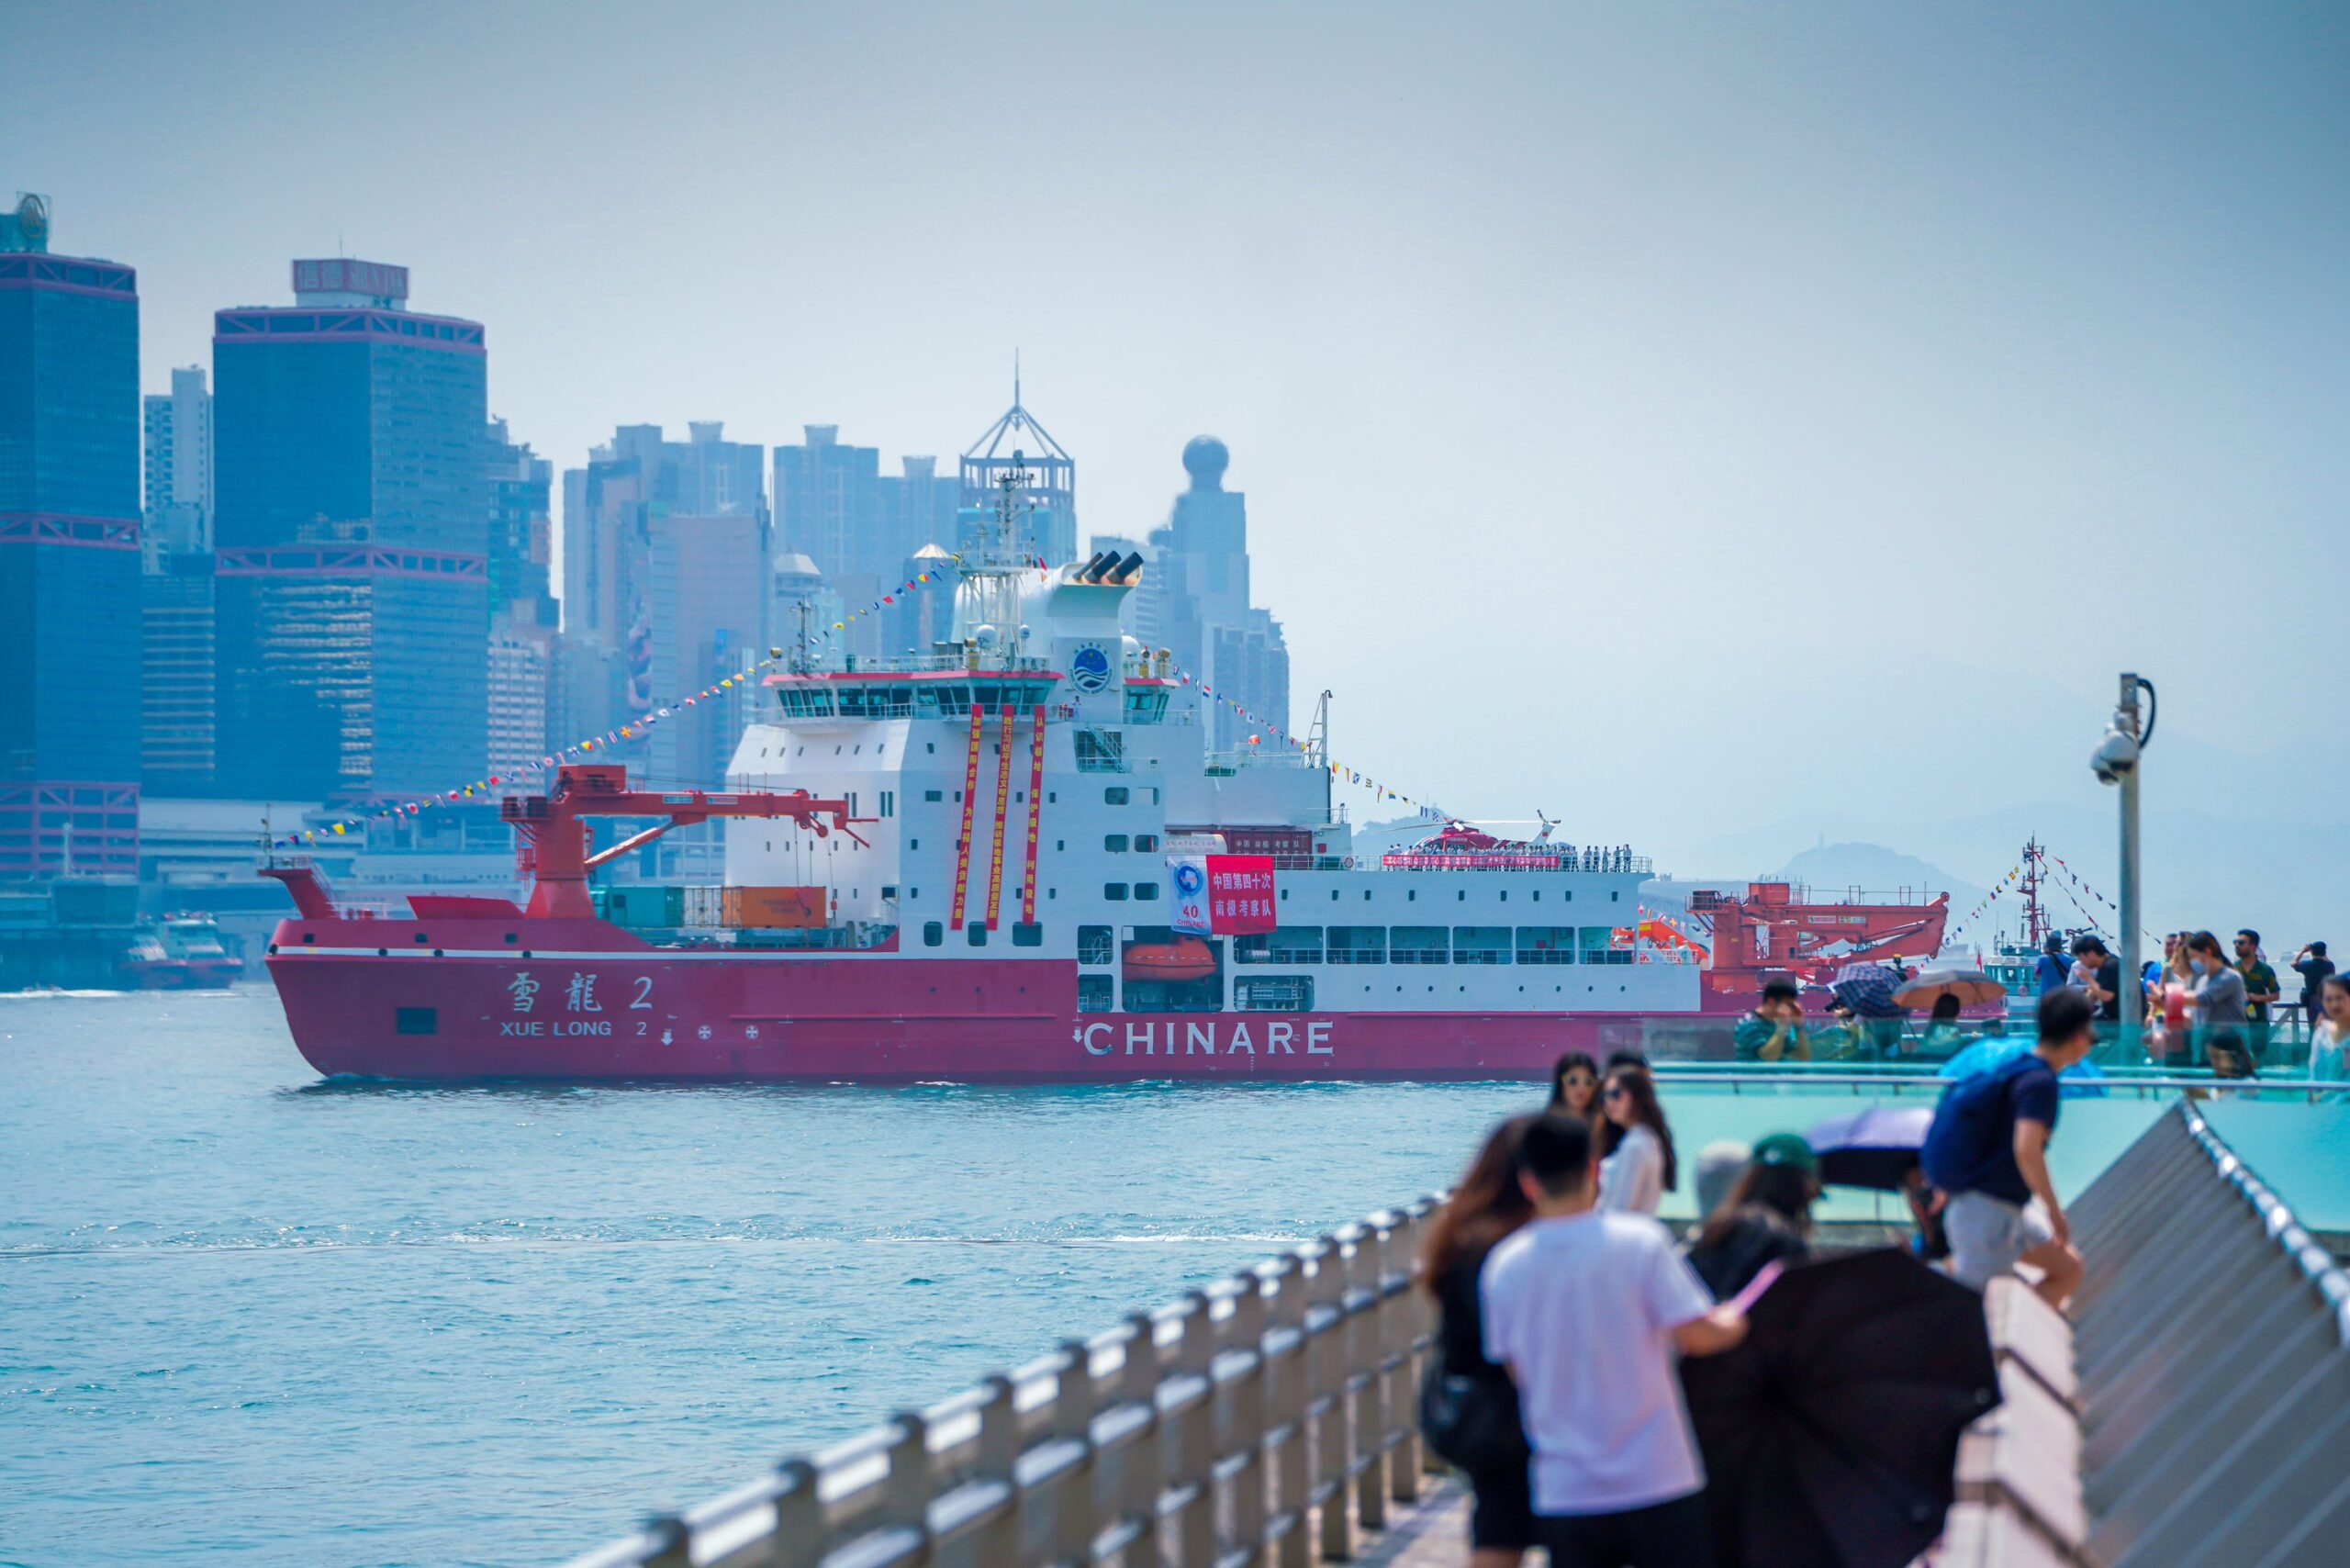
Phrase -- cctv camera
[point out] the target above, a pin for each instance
(2116, 757)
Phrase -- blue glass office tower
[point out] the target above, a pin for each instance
(351, 523)
(69, 563)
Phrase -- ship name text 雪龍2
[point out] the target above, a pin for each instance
(1211, 1036)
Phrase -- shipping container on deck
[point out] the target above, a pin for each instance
(772, 908)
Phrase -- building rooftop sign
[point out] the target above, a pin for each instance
(350, 281)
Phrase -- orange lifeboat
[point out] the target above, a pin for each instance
(1184, 959)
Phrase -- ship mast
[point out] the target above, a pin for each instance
(2036, 925)
(987, 605)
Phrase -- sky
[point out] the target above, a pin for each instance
(1728, 428)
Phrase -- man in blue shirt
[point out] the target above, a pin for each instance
(1988, 1150)
(2052, 970)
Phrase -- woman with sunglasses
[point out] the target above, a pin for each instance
(1575, 1085)
(1637, 1166)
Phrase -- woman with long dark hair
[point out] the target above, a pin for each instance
(1487, 1204)
(1765, 1217)
(1637, 1166)
(1575, 1085)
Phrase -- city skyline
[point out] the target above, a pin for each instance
(1665, 331)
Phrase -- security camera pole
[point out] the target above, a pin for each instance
(2133, 995)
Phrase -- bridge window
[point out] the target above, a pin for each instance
(1358, 945)
(1597, 944)
(1115, 842)
(1114, 795)
(976, 933)
(1420, 944)
(1095, 944)
(933, 795)
(1114, 891)
(1094, 994)
(1481, 943)
(1147, 891)
(1546, 943)
(1273, 994)
(1025, 934)
(933, 934)
(1146, 842)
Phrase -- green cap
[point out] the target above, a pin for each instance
(1785, 1148)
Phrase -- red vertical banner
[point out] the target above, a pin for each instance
(970, 800)
(1003, 811)
(1035, 811)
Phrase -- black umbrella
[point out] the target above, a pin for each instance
(1831, 1436)
(1874, 1147)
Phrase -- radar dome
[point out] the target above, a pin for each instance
(1205, 459)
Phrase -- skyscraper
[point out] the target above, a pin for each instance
(353, 589)
(178, 722)
(605, 674)
(179, 495)
(1199, 604)
(69, 558)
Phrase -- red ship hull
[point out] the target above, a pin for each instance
(579, 1001)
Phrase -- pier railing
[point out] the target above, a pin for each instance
(1229, 1430)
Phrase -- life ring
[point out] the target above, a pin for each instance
(1347, 864)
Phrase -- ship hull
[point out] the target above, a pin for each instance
(591, 1004)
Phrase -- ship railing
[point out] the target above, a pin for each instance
(1235, 1425)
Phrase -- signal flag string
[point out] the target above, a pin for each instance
(342, 826)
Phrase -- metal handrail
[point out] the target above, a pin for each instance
(1215, 1426)
(2284, 1227)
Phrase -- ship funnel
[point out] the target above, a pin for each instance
(1124, 571)
(1084, 573)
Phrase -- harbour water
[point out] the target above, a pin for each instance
(248, 1316)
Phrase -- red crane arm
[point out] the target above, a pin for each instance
(550, 838)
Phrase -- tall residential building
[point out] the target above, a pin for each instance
(179, 496)
(521, 525)
(69, 558)
(708, 603)
(859, 525)
(1017, 445)
(353, 626)
(523, 611)
(605, 674)
(178, 721)
(1199, 604)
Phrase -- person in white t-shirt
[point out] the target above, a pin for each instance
(1586, 1308)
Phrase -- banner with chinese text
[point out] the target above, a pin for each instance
(1222, 895)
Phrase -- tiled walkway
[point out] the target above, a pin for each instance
(1430, 1533)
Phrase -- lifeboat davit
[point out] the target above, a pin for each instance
(1174, 963)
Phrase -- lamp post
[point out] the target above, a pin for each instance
(2115, 762)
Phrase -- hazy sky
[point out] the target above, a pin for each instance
(1701, 421)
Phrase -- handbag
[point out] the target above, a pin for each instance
(1470, 1422)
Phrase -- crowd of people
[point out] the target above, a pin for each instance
(2207, 1004)
(1564, 1304)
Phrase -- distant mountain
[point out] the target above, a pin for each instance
(1872, 868)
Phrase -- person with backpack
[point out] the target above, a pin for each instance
(2052, 971)
(1987, 1151)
